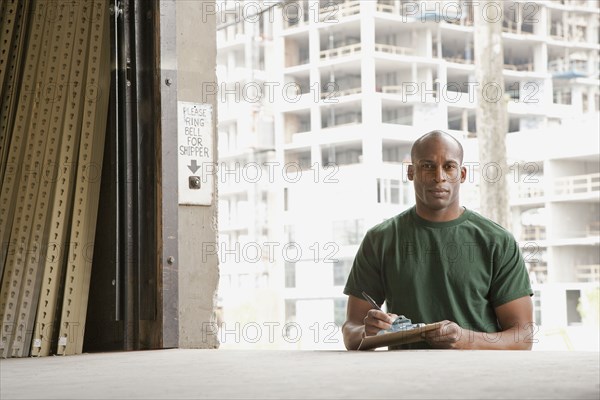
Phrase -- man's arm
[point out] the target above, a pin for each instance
(362, 320)
(516, 322)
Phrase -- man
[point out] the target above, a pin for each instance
(438, 261)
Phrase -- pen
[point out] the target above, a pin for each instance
(371, 301)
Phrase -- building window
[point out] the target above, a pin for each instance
(303, 55)
(388, 191)
(573, 315)
(537, 306)
(290, 316)
(514, 125)
(472, 125)
(288, 232)
(290, 275)
(397, 115)
(341, 156)
(348, 232)
(290, 310)
(335, 118)
(341, 270)
(562, 96)
(339, 311)
(395, 154)
(304, 161)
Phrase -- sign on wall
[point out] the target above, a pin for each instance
(194, 153)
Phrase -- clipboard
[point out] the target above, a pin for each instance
(396, 338)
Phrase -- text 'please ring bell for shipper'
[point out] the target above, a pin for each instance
(194, 148)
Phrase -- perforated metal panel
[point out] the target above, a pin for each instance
(8, 17)
(58, 249)
(52, 140)
(55, 97)
(26, 192)
(15, 141)
(87, 190)
(10, 60)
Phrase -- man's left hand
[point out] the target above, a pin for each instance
(449, 335)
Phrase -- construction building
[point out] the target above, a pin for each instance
(344, 88)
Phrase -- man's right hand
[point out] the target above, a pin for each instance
(377, 320)
(362, 320)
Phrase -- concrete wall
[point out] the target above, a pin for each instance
(196, 64)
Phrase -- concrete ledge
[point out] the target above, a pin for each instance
(305, 374)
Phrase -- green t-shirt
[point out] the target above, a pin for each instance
(458, 270)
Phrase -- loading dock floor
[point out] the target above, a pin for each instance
(274, 374)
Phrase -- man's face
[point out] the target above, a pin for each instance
(437, 174)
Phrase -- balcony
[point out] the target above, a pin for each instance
(533, 233)
(593, 228)
(418, 10)
(339, 119)
(342, 155)
(332, 11)
(517, 57)
(576, 3)
(385, 7)
(297, 125)
(511, 26)
(569, 68)
(333, 94)
(406, 8)
(395, 89)
(399, 115)
(528, 67)
(391, 7)
(538, 272)
(465, 20)
(406, 96)
(391, 49)
(527, 192)
(574, 31)
(297, 15)
(458, 59)
(579, 184)
(587, 273)
(347, 83)
(300, 157)
(342, 51)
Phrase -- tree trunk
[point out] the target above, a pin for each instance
(492, 116)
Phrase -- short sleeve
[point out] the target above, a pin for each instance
(510, 280)
(366, 274)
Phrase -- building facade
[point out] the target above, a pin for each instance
(320, 102)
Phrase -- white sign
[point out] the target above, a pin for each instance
(195, 153)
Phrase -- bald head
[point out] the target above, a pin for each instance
(435, 135)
